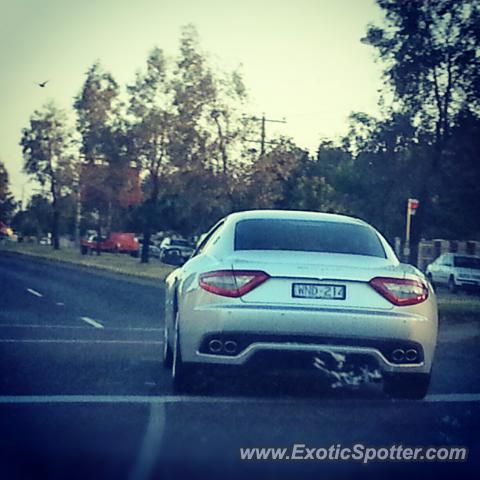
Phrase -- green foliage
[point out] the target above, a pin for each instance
(46, 146)
(183, 126)
(7, 202)
(105, 144)
(429, 51)
(98, 112)
(36, 219)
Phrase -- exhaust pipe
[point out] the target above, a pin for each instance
(411, 355)
(230, 347)
(215, 346)
(398, 355)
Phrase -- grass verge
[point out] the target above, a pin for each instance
(117, 263)
(460, 307)
(452, 308)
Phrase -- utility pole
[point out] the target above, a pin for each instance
(263, 134)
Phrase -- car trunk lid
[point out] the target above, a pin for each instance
(318, 269)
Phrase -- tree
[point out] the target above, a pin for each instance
(455, 206)
(104, 145)
(194, 90)
(36, 218)
(384, 170)
(203, 138)
(97, 107)
(287, 178)
(46, 145)
(429, 50)
(7, 202)
(150, 106)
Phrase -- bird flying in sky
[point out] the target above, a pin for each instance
(43, 84)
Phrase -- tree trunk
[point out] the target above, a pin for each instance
(55, 218)
(420, 218)
(149, 219)
(147, 228)
(99, 236)
(146, 241)
(55, 221)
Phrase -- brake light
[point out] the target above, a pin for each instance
(400, 291)
(232, 283)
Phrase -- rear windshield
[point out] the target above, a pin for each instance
(467, 262)
(307, 236)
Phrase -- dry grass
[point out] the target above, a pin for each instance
(118, 263)
(459, 307)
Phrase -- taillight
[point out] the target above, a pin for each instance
(401, 291)
(232, 283)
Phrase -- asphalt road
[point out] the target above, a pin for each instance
(83, 394)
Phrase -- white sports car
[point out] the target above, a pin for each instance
(267, 288)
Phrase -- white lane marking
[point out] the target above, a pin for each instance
(34, 292)
(81, 327)
(75, 340)
(168, 399)
(92, 322)
(453, 397)
(60, 304)
(151, 445)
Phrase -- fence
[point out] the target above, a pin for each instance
(429, 250)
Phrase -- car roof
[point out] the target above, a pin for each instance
(294, 215)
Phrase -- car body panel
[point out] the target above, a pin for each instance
(115, 242)
(269, 309)
(443, 269)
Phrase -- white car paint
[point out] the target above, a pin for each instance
(445, 271)
(365, 322)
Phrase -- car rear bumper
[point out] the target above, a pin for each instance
(245, 333)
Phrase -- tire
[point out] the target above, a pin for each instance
(183, 374)
(407, 385)
(452, 288)
(167, 351)
(83, 250)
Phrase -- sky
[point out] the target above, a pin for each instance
(301, 60)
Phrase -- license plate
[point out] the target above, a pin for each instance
(319, 291)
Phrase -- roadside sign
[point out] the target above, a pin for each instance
(412, 205)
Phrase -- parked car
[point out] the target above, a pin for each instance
(455, 270)
(280, 288)
(116, 242)
(153, 250)
(176, 247)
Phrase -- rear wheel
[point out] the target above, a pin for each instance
(407, 385)
(83, 250)
(452, 287)
(167, 350)
(183, 374)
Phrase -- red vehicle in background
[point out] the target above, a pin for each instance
(116, 242)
